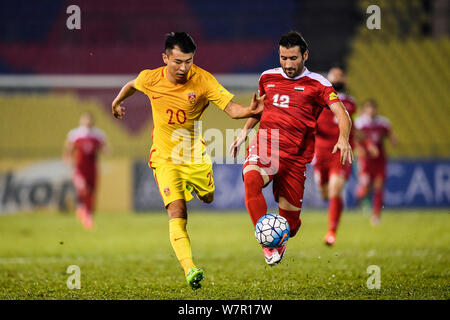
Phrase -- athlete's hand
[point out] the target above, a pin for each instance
(234, 148)
(373, 150)
(346, 150)
(257, 104)
(118, 110)
(68, 161)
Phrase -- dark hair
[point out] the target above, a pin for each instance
(87, 114)
(372, 102)
(182, 40)
(292, 39)
(337, 65)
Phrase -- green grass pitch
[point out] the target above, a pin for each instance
(128, 256)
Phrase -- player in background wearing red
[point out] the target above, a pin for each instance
(284, 144)
(330, 175)
(81, 150)
(372, 156)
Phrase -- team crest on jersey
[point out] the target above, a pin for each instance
(192, 97)
(167, 191)
(333, 96)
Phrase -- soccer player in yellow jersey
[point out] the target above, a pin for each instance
(179, 93)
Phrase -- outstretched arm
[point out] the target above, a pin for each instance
(237, 111)
(393, 139)
(68, 152)
(106, 148)
(345, 124)
(126, 91)
(249, 124)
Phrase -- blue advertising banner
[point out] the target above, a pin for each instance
(409, 184)
(418, 184)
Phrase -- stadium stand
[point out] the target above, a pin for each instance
(408, 74)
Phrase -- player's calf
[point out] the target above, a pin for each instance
(291, 213)
(364, 186)
(254, 198)
(293, 218)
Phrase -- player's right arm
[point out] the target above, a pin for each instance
(127, 90)
(249, 124)
(392, 137)
(67, 153)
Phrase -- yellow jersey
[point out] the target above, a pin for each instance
(177, 109)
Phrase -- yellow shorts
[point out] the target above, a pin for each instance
(178, 181)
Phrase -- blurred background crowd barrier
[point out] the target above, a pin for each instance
(50, 74)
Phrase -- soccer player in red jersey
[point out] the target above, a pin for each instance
(372, 156)
(329, 174)
(81, 150)
(284, 144)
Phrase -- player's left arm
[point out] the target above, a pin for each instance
(217, 94)
(249, 124)
(105, 147)
(238, 111)
(345, 125)
(392, 137)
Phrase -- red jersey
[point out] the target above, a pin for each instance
(327, 126)
(87, 143)
(375, 131)
(292, 106)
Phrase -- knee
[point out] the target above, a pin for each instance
(207, 198)
(177, 209)
(335, 192)
(378, 185)
(336, 186)
(253, 181)
(324, 192)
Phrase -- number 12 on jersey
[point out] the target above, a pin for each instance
(281, 101)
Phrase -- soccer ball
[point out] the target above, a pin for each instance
(272, 231)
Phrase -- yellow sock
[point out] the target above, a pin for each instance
(181, 244)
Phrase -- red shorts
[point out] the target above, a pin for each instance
(368, 170)
(326, 164)
(84, 181)
(288, 173)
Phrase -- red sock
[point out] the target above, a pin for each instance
(334, 213)
(254, 198)
(90, 202)
(83, 199)
(88, 199)
(293, 217)
(377, 202)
